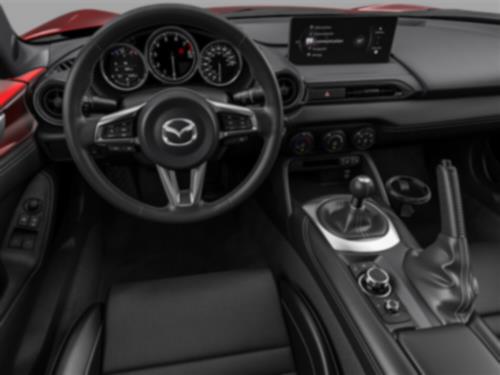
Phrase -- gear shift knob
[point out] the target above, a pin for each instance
(361, 187)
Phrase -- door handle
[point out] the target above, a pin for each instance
(2, 124)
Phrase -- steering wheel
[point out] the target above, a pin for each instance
(177, 129)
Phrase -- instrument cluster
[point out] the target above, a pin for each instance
(170, 55)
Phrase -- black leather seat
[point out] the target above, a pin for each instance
(225, 323)
(485, 258)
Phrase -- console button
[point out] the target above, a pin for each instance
(392, 306)
(326, 94)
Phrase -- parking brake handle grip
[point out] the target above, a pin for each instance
(441, 273)
(450, 201)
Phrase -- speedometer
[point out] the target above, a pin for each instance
(220, 63)
(123, 66)
(172, 55)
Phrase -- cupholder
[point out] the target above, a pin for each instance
(406, 192)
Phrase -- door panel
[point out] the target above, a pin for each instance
(19, 156)
(20, 182)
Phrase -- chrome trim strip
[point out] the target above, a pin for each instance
(368, 245)
(2, 124)
(174, 194)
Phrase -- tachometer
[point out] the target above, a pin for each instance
(220, 63)
(172, 55)
(124, 67)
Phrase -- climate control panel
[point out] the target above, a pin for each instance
(329, 140)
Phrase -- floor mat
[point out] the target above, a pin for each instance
(136, 250)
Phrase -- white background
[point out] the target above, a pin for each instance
(27, 14)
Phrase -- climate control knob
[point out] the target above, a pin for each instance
(302, 143)
(376, 281)
(364, 138)
(333, 141)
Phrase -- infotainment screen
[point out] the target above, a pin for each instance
(341, 39)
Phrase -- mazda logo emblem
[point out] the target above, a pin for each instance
(179, 132)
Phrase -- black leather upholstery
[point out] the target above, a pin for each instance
(485, 258)
(452, 349)
(82, 350)
(225, 323)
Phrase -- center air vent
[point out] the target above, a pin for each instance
(48, 102)
(359, 91)
(289, 87)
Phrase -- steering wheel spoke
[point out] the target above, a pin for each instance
(183, 198)
(86, 127)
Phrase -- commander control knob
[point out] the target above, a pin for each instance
(361, 187)
(376, 281)
(333, 141)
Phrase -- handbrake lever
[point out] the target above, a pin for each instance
(450, 201)
(442, 272)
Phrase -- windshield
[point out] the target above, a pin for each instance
(25, 15)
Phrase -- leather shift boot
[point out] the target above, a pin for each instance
(442, 272)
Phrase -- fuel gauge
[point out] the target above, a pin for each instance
(123, 66)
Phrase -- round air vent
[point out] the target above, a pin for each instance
(290, 88)
(48, 102)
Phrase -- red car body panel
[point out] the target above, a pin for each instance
(74, 21)
(19, 123)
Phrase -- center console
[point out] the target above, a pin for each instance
(407, 309)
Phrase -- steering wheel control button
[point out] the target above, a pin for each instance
(333, 141)
(302, 143)
(376, 281)
(118, 130)
(364, 138)
(235, 122)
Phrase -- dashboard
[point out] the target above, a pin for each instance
(432, 76)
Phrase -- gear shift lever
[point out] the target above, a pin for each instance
(354, 218)
(361, 187)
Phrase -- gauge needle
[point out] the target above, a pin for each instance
(172, 61)
(219, 71)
